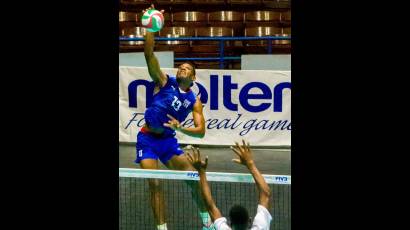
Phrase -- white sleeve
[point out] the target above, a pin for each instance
(262, 219)
(221, 224)
(195, 89)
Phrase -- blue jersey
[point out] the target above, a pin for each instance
(169, 100)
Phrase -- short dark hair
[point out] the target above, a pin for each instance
(239, 217)
(191, 64)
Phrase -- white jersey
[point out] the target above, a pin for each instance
(260, 222)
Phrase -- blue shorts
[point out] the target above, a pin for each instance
(152, 147)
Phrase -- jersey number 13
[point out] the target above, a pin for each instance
(176, 104)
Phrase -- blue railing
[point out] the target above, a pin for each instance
(221, 40)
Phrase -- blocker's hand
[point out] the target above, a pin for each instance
(195, 158)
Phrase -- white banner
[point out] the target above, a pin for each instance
(254, 105)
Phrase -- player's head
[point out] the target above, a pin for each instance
(239, 218)
(186, 73)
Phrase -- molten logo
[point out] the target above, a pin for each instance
(275, 94)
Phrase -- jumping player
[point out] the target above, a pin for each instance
(174, 98)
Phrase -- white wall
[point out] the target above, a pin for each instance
(137, 59)
(266, 62)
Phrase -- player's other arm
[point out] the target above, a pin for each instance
(154, 70)
(199, 122)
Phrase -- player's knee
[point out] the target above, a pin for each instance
(181, 163)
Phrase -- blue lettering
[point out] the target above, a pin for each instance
(212, 122)
(259, 124)
(214, 92)
(281, 178)
(132, 92)
(192, 174)
(188, 123)
(277, 92)
(224, 123)
(247, 127)
(141, 122)
(228, 86)
(133, 119)
(279, 123)
(244, 96)
(233, 124)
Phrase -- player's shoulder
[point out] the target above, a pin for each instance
(172, 78)
(195, 89)
(262, 219)
(171, 81)
(263, 209)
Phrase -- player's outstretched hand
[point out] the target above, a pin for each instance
(194, 157)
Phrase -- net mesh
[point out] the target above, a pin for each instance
(182, 213)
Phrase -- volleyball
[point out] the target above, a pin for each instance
(153, 20)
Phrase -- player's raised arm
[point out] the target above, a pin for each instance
(154, 70)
